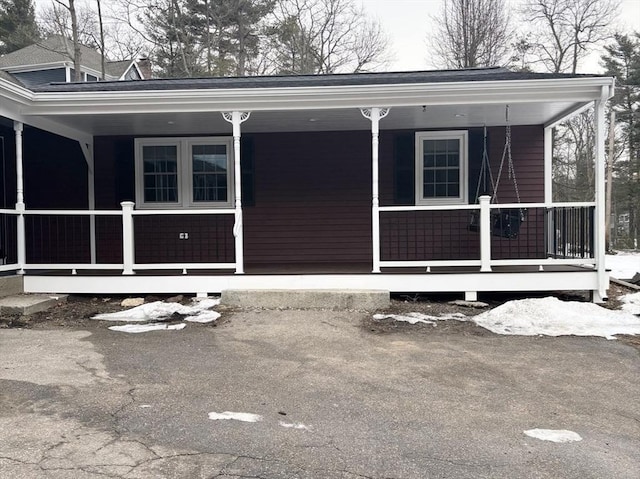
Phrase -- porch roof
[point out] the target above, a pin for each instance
(297, 81)
(418, 100)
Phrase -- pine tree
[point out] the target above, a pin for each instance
(18, 27)
(622, 60)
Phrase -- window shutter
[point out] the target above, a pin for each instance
(476, 146)
(404, 169)
(247, 171)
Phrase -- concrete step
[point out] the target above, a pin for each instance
(26, 304)
(10, 285)
(306, 299)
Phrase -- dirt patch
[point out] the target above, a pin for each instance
(78, 310)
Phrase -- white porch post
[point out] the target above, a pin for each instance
(485, 233)
(21, 236)
(548, 164)
(236, 118)
(128, 251)
(375, 114)
(87, 150)
(601, 293)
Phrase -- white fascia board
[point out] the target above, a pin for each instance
(37, 67)
(318, 98)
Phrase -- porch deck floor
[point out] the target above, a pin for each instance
(320, 269)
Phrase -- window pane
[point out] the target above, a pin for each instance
(441, 190)
(160, 173)
(209, 163)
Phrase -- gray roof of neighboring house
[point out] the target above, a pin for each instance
(56, 49)
(436, 76)
(9, 77)
(117, 68)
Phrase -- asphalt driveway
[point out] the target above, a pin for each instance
(333, 398)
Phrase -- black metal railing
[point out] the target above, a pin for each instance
(571, 232)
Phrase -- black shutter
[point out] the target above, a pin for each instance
(404, 169)
(476, 142)
(247, 171)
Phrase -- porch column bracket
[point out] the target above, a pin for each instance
(375, 114)
(236, 118)
(18, 127)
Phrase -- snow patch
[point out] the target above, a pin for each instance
(295, 425)
(143, 328)
(552, 317)
(623, 265)
(631, 303)
(198, 312)
(414, 318)
(554, 435)
(236, 416)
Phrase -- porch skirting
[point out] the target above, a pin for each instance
(449, 281)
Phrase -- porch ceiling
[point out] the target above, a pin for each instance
(404, 117)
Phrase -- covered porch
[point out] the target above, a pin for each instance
(322, 194)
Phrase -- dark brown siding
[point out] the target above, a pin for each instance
(312, 204)
(444, 235)
(55, 177)
(312, 199)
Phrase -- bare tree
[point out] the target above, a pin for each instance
(566, 30)
(326, 36)
(471, 33)
(101, 44)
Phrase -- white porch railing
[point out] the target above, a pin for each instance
(481, 235)
(70, 232)
(410, 236)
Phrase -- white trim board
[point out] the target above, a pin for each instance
(407, 283)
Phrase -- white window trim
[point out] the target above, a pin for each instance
(185, 171)
(463, 137)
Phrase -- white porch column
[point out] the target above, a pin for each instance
(548, 164)
(21, 236)
(375, 114)
(236, 118)
(128, 251)
(485, 233)
(87, 150)
(599, 120)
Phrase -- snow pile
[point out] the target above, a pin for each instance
(631, 303)
(623, 265)
(414, 318)
(143, 328)
(198, 312)
(554, 435)
(552, 317)
(236, 416)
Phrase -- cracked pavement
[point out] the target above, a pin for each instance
(412, 403)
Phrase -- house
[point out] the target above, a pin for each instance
(51, 60)
(356, 181)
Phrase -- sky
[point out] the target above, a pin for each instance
(407, 23)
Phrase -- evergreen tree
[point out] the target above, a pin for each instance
(18, 27)
(622, 60)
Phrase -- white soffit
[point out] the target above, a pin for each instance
(415, 117)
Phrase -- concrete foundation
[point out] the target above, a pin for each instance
(10, 285)
(306, 299)
(29, 303)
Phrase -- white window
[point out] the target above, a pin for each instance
(441, 167)
(184, 172)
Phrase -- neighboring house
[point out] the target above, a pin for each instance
(363, 181)
(51, 60)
